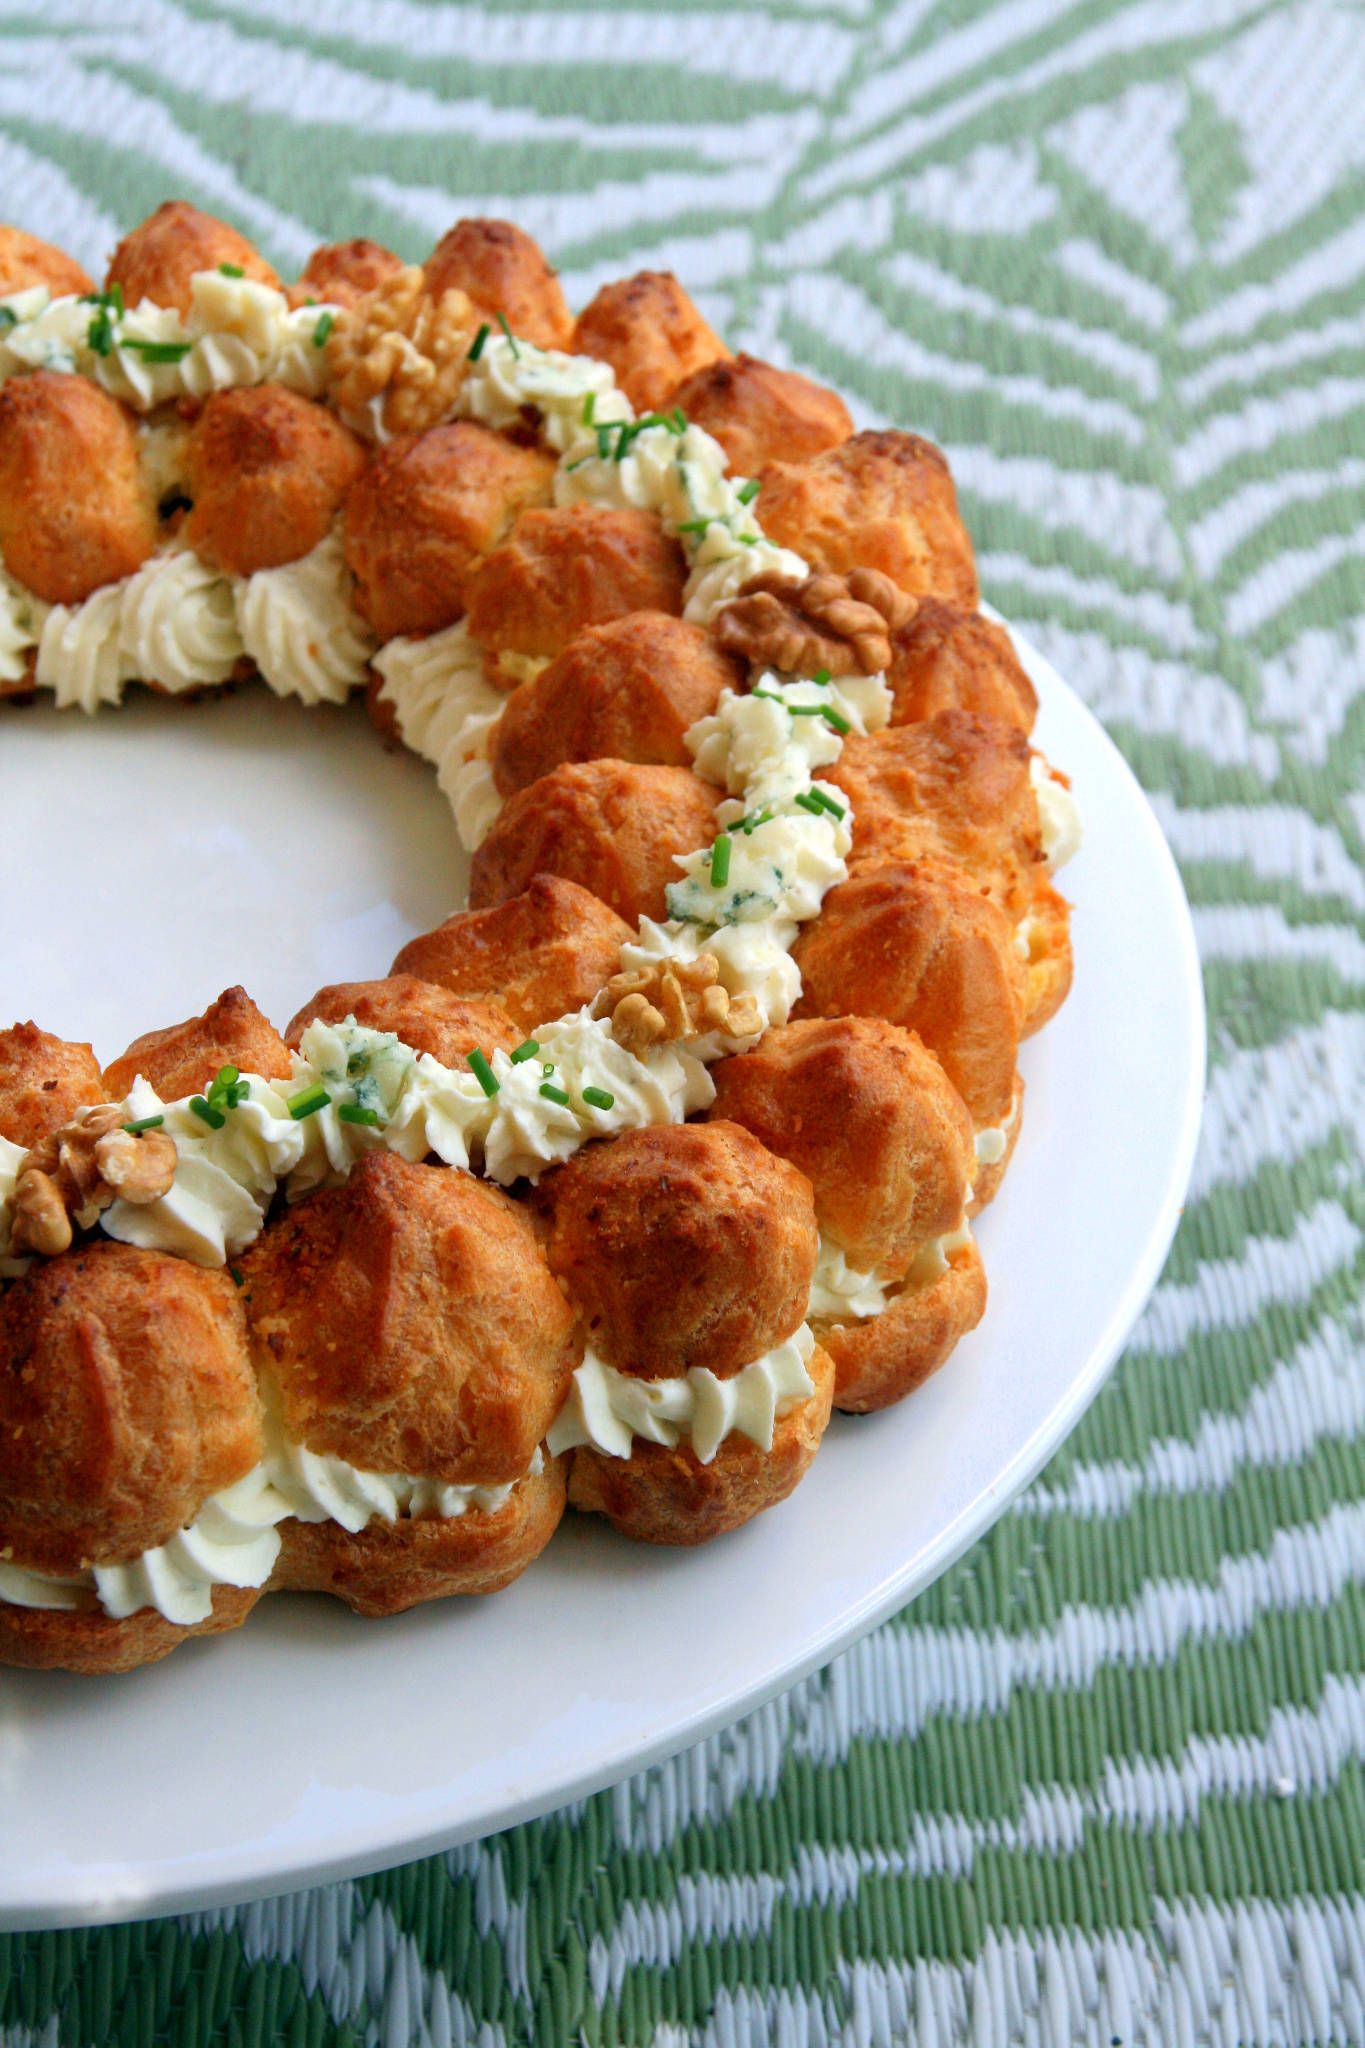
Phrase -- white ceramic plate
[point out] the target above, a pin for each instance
(165, 850)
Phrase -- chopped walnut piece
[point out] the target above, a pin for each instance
(73, 1174)
(840, 623)
(397, 358)
(678, 999)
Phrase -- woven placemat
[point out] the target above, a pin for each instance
(1104, 1781)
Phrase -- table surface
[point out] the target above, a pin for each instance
(1104, 1780)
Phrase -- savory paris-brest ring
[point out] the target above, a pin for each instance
(616, 1182)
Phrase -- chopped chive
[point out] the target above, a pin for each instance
(678, 420)
(527, 1050)
(238, 1277)
(214, 1118)
(748, 492)
(603, 442)
(482, 1072)
(511, 338)
(226, 1076)
(323, 328)
(476, 346)
(752, 823)
(157, 351)
(720, 860)
(548, 1067)
(821, 677)
(695, 525)
(809, 801)
(589, 408)
(352, 1113)
(827, 803)
(8, 318)
(232, 270)
(553, 1094)
(598, 1097)
(307, 1102)
(747, 540)
(144, 1123)
(837, 720)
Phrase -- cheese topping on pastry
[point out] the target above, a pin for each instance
(1059, 815)
(608, 1409)
(839, 1292)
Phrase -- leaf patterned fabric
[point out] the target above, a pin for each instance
(1104, 1781)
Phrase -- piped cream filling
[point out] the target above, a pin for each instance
(608, 1410)
(842, 1293)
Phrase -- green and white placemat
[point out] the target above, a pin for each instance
(1104, 1781)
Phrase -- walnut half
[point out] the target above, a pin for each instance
(73, 1174)
(839, 623)
(396, 359)
(677, 999)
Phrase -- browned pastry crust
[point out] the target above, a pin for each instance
(544, 953)
(682, 1245)
(158, 259)
(407, 1321)
(43, 1082)
(181, 1058)
(72, 510)
(267, 470)
(126, 1399)
(956, 788)
(882, 500)
(387, 1568)
(650, 332)
(627, 690)
(658, 1495)
(342, 272)
(882, 1360)
(611, 826)
(986, 1179)
(424, 512)
(870, 1117)
(948, 658)
(426, 1017)
(25, 261)
(568, 567)
(1045, 941)
(501, 270)
(89, 1641)
(761, 414)
(921, 946)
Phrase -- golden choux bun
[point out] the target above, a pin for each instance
(424, 512)
(423, 1015)
(988, 1175)
(881, 1361)
(340, 273)
(611, 826)
(161, 255)
(663, 1495)
(501, 270)
(25, 261)
(919, 945)
(73, 514)
(180, 1059)
(126, 1399)
(951, 658)
(93, 1643)
(881, 500)
(544, 953)
(871, 1119)
(1046, 936)
(266, 470)
(568, 567)
(760, 414)
(682, 1245)
(43, 1082)
(954, 787)
(650, 332)
(384, 1568)
(627, 691)
(406, 1320)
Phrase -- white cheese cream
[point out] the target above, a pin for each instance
(608, 1410)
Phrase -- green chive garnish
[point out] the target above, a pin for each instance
(527, 1050)
(809, 801)
(352, 1113)
(323, 329)
(158, 351)
(238, 1277)
(747, 540)
(144, 1123)
(8, 318)
(603, 442)
(548, 1067)
(307, 1102)
(748, 492)
(511, 338)
(553, 1094)
(482, 1072)
(476, 347)
(695, 525)
(232, 270)
(720, 860)
(598, 1097)
(677, 420)
(751, 824)
(214, 1118)
(827, 803)
(589, 408)
(821, 677)
(837, 720)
